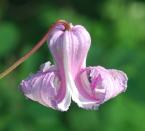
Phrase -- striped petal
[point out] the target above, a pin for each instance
(69, 49)
(47, 88)
(95, 85)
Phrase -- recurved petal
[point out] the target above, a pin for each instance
(47, 88)
(95, 85)
(119, 81)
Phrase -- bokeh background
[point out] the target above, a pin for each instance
(117, 28)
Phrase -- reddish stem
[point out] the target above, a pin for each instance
(35, 48)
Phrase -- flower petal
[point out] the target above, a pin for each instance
(47, 88)
(69, 46)
(69, 49)
(96, 85)
(120, 83)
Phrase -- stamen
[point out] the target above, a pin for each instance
(34, 49)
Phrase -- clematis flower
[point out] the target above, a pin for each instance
(55, 85)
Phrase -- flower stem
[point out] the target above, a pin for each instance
(34, 49)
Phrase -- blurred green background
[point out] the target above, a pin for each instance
(117, 28)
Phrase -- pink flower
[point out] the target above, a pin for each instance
(55, 85)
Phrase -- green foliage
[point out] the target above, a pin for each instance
(9, 36)
(117, 29)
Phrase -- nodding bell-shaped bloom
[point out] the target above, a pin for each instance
(55, 85)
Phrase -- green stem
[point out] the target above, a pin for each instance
(34, 49)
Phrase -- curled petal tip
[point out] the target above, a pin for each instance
(47, 89)
(97, 85)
